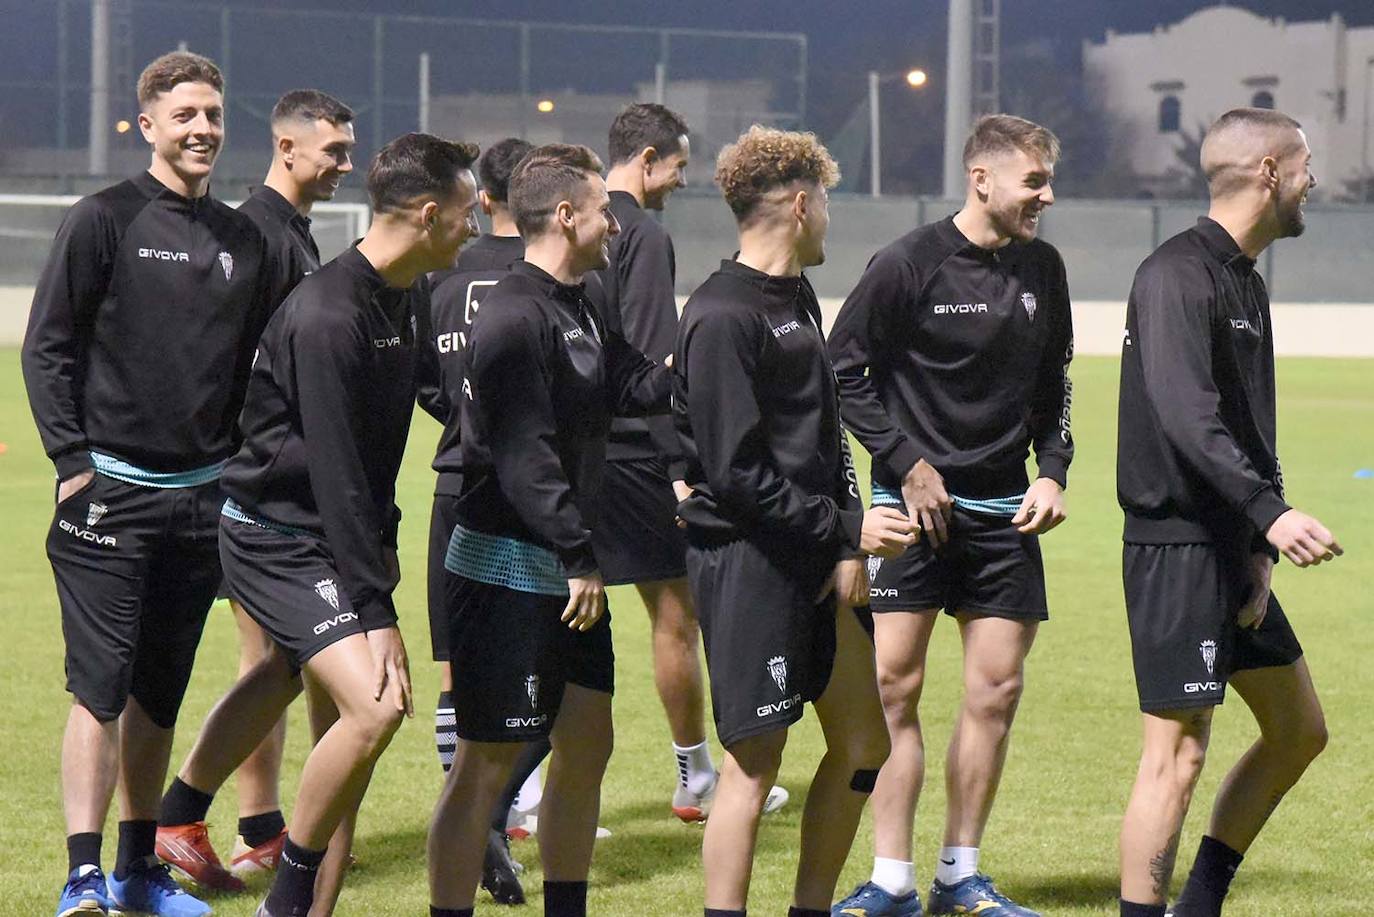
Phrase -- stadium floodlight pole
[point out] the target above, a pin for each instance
(958, 94)
(99, 159)
(1364, 134)
(424, 92)
(915, 79)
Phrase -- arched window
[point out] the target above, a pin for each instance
(1262, 99)
(1169, 115)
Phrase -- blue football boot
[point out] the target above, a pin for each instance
(870, 900)
(152, 890)
(84, 894)
(974, 895)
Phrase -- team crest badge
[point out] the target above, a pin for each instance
(95, 512)
(532, 690)
(226, 261)
(1208, 648)
(1028, 300)
(875, 564)
(326, 590)
(777, 667)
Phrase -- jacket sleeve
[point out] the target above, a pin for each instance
(648, 313)
(636, 385)
(430, 393)
(723, 352)
(511, 381)
(857, 345)
(70, 290)
(1049, 418)
(330, 366)
(1174, 333)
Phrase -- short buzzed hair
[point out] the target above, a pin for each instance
(645, 124)
(309, 106)
(1223, 172)
(547, 176)
(497, 164)
(415, 165)
(996, 134)
(765, 158)
(167, 71)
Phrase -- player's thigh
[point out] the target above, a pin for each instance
(1284, 702)
(901, 640)
(995, 648)
(583, 731)
(849, 709)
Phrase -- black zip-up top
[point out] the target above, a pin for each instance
(143, 327)
(291, 249)
(544, 376)
(329, 406)
(638, 301)
(959, 355)
(1196, 444)
(756, 406)
(457, 295)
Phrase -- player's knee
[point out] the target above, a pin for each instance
(376, 724)
(901, 695)
(1177, 766)
(1307, 741)
(995, 698)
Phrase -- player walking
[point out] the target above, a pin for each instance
(952, 353)
(136, 358)
(775, 525)
(1198, 477)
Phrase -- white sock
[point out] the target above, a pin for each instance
(695, 771)
(895, 877)
(956, 864)
(531, 791)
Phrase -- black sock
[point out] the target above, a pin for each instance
(795, 911)
(136, 842)
(1131, 909)
(257, 830)
(565, 899)
(1209, 880)
(445, 736)
(449, 911)
(529, 760)
(183, 804)
(293, 889)
(722, 912)
(83, 848)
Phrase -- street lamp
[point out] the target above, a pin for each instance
(1364, 134)
(915, 78)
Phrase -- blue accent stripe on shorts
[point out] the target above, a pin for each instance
(994, 506)
(232, 510)
(506, 562)
(121, 470)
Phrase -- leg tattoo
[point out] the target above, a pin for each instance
(1162, 866)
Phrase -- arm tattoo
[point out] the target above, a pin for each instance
(1162, 866)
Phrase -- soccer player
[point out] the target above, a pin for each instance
(952, 353)
(313, 141)
(529, 636)
(775, 527)
(1198, 477)
(456, 297)
(136, 359)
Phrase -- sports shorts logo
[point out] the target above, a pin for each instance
(340, 618)
(787, 328)
(777, 667)
(532, 690)
(106, 541)
(327, 590)
(95, 512)
(960, 308)
(1028, 301)
(226, 263)
(1208, 649)
(160, 254)
(875, 563)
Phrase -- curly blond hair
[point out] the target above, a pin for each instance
(765, 158)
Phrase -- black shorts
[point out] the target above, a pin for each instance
(986, 568)
(442, 519)
(288, 584)
(1181, 604)
(769, 645)
(636, 539)
(512, 657)
(136, 570)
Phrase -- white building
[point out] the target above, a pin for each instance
(1175, 80)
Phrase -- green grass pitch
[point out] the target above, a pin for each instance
(1052, 841)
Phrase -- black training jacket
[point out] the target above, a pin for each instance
(143, 327)
(457, 294)
(329, 406)
(291, 249)
(544, 376)
(756, 407)
(959, 355)
(638, 301)
(1196, 442)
